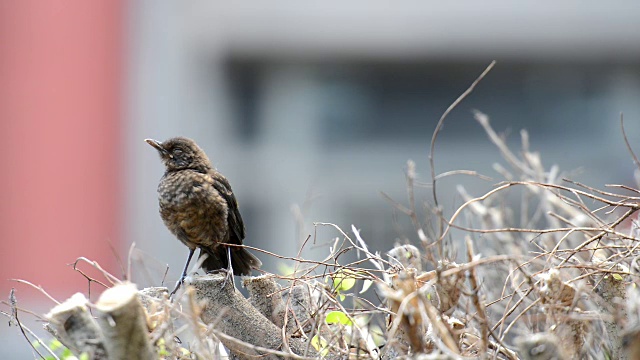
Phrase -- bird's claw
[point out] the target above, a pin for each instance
(180, 282)
(228, 277)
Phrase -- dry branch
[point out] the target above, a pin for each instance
(124, 324)
(265, 295)
(72, 324)
(231, 314)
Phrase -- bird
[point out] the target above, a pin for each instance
(199, 208)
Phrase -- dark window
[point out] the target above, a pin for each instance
(397, 101)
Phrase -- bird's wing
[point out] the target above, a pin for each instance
(236, 225)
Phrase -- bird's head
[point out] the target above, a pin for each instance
(180, 153)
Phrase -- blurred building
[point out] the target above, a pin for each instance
(321, 105)
(310, 110)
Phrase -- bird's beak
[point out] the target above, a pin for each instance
(157, 145)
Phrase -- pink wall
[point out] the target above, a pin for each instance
(61, 78)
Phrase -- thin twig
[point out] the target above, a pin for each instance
(626, 141)
(441, 123)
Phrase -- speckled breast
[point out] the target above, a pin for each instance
(192, 208)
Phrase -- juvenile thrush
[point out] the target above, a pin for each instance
(198, 206)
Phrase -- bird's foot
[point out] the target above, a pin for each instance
(180, 282)
(228, 275)
(184, 272)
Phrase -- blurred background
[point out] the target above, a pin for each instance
(310, 110)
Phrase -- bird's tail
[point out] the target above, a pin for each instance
(242, 261)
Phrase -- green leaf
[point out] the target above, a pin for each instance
(162, 348)
(338, 317)
(617, 277)
(84, 356)
(320, 345)
(343, 280)
(342, 297)
(55, 344)
(377, 335)
(284, 269)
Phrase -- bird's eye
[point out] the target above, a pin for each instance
(177, 152)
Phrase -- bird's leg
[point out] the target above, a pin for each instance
(229, 275)
(184, 272)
